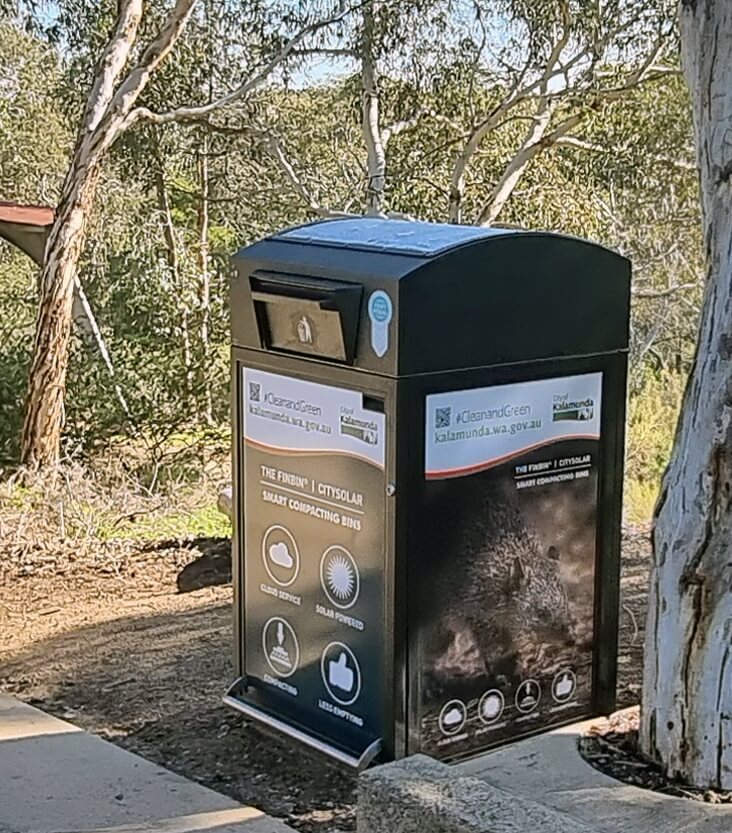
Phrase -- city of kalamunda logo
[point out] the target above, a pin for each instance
(362, 429)
(578, 410)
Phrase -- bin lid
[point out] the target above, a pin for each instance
(428, 297)
(396, 236)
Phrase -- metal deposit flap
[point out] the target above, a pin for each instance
(310, 316)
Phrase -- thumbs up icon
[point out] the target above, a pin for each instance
(339, 674)
(564, 685)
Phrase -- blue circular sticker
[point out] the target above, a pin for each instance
(380, 308)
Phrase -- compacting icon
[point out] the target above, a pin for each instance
(339, 577)
(280, 646)
(341, 673)
(528, 695)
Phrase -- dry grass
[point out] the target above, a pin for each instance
(94, 514)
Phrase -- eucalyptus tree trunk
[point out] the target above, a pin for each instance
(122, 73)
(106, 115)
(686, 715)
(44, 409)
(370, 119)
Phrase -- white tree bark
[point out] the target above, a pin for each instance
(515, 168)
(274, 148)
(370, 122)
(93, 332)
(112, 62)
(686, 716)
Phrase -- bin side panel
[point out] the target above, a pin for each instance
(505, 559)
(313, 485)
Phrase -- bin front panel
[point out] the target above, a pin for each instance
(313, 601)
(507, 560)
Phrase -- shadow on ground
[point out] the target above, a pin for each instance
(212, 568)
(153, 684)
(153, 681)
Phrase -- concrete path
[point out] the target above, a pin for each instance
(55, 778)
(550, 770)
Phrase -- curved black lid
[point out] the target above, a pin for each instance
(461, 296)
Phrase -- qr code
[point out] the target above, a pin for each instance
(443, 416)
(255, 391)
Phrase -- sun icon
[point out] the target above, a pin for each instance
(339, 577)
(341, 580)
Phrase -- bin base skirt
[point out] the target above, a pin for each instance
(357, 762)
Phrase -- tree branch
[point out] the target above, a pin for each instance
(330, 51)
(513, 172)
(537, 141)
(514, 97)
(370, 119)
(137, 79)
(397, 127)
(195, 113)
(662, 293)
(582, 144)
(92, 329)
(275, 149)
(112, 62)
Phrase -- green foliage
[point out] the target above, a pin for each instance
(203, 522)
(34, 137)
(117, 497)
(626, 183)
(653, 412)
(17, 296)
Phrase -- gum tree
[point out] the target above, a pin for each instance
(686, 715)
(533, 75)
(142, 36)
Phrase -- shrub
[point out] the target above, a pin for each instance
(653, 411)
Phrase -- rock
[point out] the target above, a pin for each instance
(223, 503)
(210, 570)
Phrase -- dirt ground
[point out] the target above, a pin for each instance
(107, 642)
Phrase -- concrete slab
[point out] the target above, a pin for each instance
(550, 770)
(55, 778)
(421, 795)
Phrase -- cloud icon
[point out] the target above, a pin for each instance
(280, 555)
(492, 706)
(453, 717)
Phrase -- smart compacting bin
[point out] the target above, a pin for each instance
(428, 434)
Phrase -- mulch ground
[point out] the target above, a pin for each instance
(101, 636)
(613, 749)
